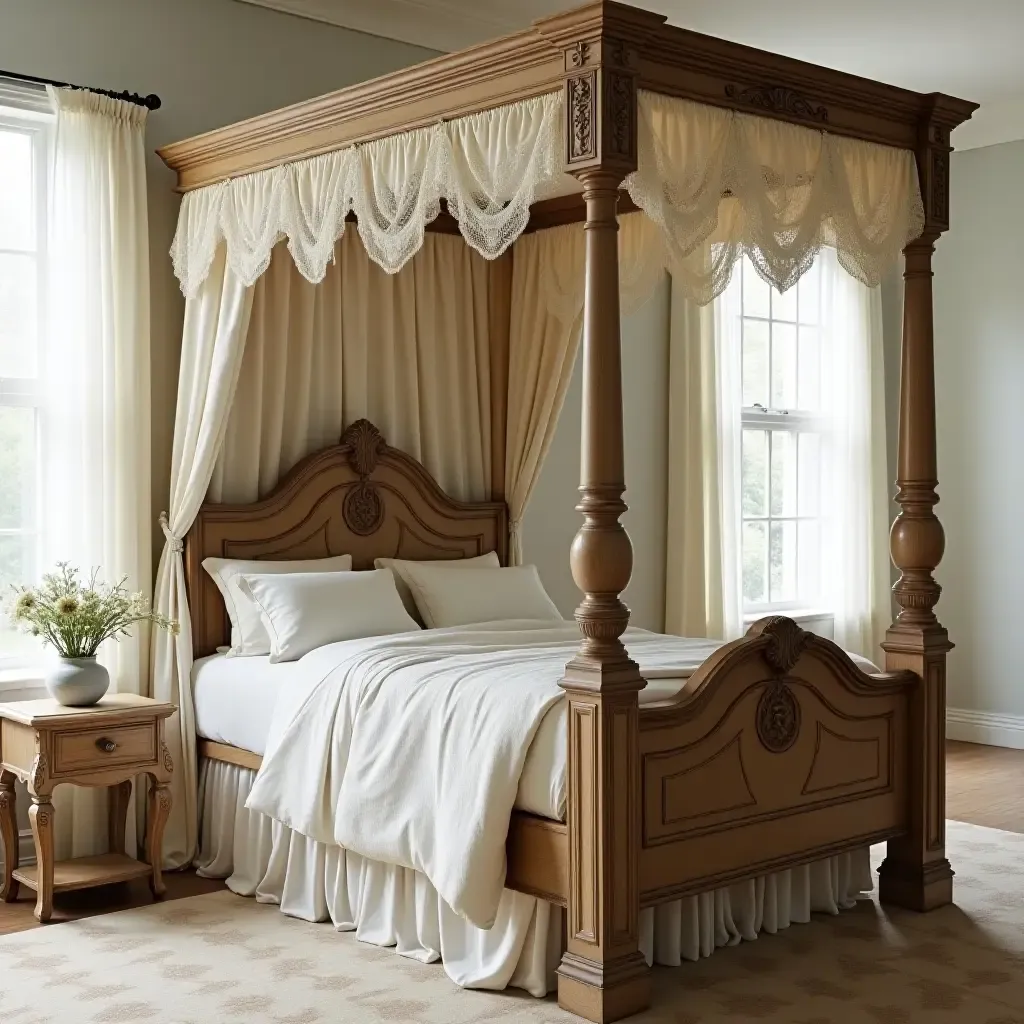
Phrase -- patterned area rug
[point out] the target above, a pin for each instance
(219, 958)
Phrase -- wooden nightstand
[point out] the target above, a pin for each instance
(108, 744)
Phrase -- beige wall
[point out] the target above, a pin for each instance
(551, 519)
(212, 62)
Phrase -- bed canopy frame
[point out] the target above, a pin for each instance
(619, 833)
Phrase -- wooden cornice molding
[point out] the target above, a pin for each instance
(660, 57)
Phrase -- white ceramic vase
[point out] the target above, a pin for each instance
(77, 682)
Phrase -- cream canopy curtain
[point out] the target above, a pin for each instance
(411, 352)
(216, 321)
(95, 422)
(542, 351)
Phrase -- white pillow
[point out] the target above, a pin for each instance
(448, 597)
(303, 611)
(398, 567)
(248, 637)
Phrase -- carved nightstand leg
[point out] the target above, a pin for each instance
(8, 836)
(159, 809)
(117, 812)
(40, 816)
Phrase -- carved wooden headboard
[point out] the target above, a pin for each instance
(360, 497)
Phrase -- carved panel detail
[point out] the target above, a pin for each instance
(717, 785)
(787, 641)
(579, 54)
(167, 760)
(581, 117)
(938, 207)
(39, 771)
(778, 99)
(621, 105)
(842, 761)
(778, 717)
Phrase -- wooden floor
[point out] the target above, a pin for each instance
(984, 785)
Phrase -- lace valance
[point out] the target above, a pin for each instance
(488, 167)
(720, 184)
(714, 184)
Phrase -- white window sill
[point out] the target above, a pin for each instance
(796, 614)
(21, 683)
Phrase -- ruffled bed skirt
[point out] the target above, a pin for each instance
(394, 906)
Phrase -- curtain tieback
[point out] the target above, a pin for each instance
(515, 527)
(176, 543)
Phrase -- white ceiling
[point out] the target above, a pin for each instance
(967, 48)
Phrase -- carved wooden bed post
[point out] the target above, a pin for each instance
(603, 975)
(915, 872)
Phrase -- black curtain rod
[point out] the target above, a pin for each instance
(150, 102)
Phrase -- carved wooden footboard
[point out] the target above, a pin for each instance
(779, 752)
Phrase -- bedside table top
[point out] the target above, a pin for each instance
(48, 713)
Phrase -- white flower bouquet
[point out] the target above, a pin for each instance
(75, 618)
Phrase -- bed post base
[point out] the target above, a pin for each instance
(604, 992)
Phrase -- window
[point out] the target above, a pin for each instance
(781, 443)
(24, 137)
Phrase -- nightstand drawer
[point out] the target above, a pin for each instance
(97, 749)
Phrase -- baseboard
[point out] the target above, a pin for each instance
(985, 727)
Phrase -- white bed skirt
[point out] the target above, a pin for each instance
(394, 906)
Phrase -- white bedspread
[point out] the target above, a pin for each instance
(408, 749)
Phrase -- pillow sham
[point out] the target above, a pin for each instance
(303, 611)
(448, 597)
(248, 637)
(398, 567)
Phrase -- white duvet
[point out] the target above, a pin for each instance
(408, 749)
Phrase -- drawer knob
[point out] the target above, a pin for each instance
(106, 745)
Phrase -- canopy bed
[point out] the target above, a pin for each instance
(778, 750)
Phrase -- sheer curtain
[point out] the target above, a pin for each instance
(96, 441)
(855, 546)
(704, 550)
(702, 580)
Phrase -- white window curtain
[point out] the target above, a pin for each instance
(216, 322)
(703, 580)
(96, 439)
(855, 537)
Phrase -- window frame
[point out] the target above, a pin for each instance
(768, 420)
(36, 121)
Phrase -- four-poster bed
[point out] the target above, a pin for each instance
(779, 750)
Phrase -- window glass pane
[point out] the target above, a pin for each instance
(16, 567)
(782, 557)
(783, 366)
(756, 294)
(755, 472)
(755, 363)
(17, 229)
(755, 551)
(784, 305)
(809, 295)
(809, 450)
(809, 370)
(784, 473)
(808, 569)
(17, 468)
(17, 315)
